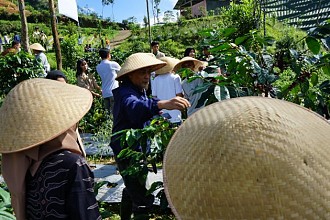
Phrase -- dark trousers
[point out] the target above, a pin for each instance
(108, 104)
(134, 197)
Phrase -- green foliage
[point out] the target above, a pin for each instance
(6, 211)
(41, 4)
(95, 119)
(70, 76)
(14, 68)
(119, 55)
(153, 140)
(51, 57)
(93, 59)
(70, 51)
(244, 17)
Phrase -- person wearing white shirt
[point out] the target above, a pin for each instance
(167, 85)
(108, 72)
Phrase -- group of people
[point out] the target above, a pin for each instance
(124, 89)
(49, 142)
(40, 37)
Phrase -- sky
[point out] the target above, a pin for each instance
(123, 9)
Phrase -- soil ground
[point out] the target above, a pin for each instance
(120, 37)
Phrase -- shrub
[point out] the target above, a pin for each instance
(15, 68)
(71, 51)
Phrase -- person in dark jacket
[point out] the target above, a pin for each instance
(133, 109)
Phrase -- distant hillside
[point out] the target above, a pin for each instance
(37, 12)
(8, 6)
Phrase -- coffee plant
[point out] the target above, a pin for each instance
(15, 68)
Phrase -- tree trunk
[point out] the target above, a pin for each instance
(55, 35)
(148, 22)
(24, 31)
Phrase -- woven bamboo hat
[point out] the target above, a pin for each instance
(139, 61)
(170, 63)
(37, 46)
(38, 110)
(250, 158)
(197, 63)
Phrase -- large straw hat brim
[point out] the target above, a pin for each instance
(37, 46)
(138, 62)
(249, 158)
(170, 63)
(38, 110)
(197, 63)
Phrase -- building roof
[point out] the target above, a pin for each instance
(185, 3)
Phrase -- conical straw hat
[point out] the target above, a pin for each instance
(38, 110)
(250, 158)
(170, 63)
(139, 61)
(37, 46)
(197, 63)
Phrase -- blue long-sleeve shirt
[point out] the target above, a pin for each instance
(132, 109)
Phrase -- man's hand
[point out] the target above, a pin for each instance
(175, 103)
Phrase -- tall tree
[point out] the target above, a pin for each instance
(132, 20)
(108, 2)
(157, 10)
(153, 10)
(24, 32)
(145, 21)
(55, 35)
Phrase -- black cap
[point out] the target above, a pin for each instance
(54, 74)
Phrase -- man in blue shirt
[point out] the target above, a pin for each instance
(133, 109)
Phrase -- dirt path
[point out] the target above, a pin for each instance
(120, 37)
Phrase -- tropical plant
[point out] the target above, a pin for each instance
(71, 51)
(94, 120)
(153, 140)
(6, 211)
(14, 68)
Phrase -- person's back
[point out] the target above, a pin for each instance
(70, 176)
(167, 85)
(108, 72)
(17, 38)
(44, 61)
